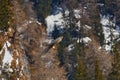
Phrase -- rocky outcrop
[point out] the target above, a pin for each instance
(27, 39)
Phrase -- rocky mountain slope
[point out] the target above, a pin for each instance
(23, 46)
(60, 40)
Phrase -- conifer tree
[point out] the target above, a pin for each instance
(95, 18)
(5, 14)
(109, 5)
(81, 71)
(44, 8)
(98, 72)
(115, 74)
(67, 40)
(55, 33)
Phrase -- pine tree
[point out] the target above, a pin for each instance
(81, 71)
(5, 14)
(73, 4)
(95, 21)
(67, 40)
(55, 33)
(44, 8)
(109, 5)
(98, 72)
(116, 11)
(115, 74)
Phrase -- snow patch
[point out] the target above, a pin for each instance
(18, 78)
(7, 59)
(5, 47)
(77, 13)
(85, 40)
(17, 62)
(118, 39)
(88, 27)
(38, 22)
(99, 47)
(70, 47)
(109, 32)
(8, 44)
(105, 20)
(1, 31)
(53, 20)
(8, 56)
(67, 13)
(78, 24)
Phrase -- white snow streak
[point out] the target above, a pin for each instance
(77, 13)
(106, 23)
(85, 40)
(53, 20)
(8, 56)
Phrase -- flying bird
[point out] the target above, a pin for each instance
(56, 41)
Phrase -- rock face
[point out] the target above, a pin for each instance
(47, 67)
(27, 52)
(28, 40)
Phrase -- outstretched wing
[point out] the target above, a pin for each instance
(56, 41)
(48, 48)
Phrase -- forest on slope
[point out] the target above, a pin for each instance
(90, 45)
